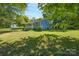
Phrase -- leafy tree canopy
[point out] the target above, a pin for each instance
(9, 12)
(57, 10)
(65, 15)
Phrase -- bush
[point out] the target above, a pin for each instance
(39, 28)
(44, 45)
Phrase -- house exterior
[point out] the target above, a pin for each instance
(45, 25)
(14, 26)
(36, 25)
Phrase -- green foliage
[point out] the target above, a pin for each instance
(62, 11)
(39, 19)
(21, 20)
(56, 10)
(38, 28)
(12, 9)
(44, 45)
(9, 12)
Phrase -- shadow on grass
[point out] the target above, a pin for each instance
(2, 32)
(44, 45)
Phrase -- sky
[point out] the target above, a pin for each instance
(33, 11)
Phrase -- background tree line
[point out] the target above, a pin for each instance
(64, 15)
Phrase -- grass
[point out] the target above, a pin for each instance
(39, 43)
(17, 35)
(44, 45)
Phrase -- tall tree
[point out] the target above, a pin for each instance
(9, 11)
(66, 12)
(21, 20)
(57, 10)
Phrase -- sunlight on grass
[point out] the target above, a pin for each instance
(13, 36)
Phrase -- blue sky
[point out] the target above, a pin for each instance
(33, 11)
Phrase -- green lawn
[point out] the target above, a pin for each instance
(13, 36)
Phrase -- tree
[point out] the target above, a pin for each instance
(54, 11)
(9, 11)
(21, 20)
(39, 19)
(67, 12)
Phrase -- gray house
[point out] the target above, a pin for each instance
(36, 25)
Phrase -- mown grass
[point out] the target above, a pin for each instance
(17, 35)
(39, 43)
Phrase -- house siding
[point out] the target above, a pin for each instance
(36, 25)
(45, 25)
